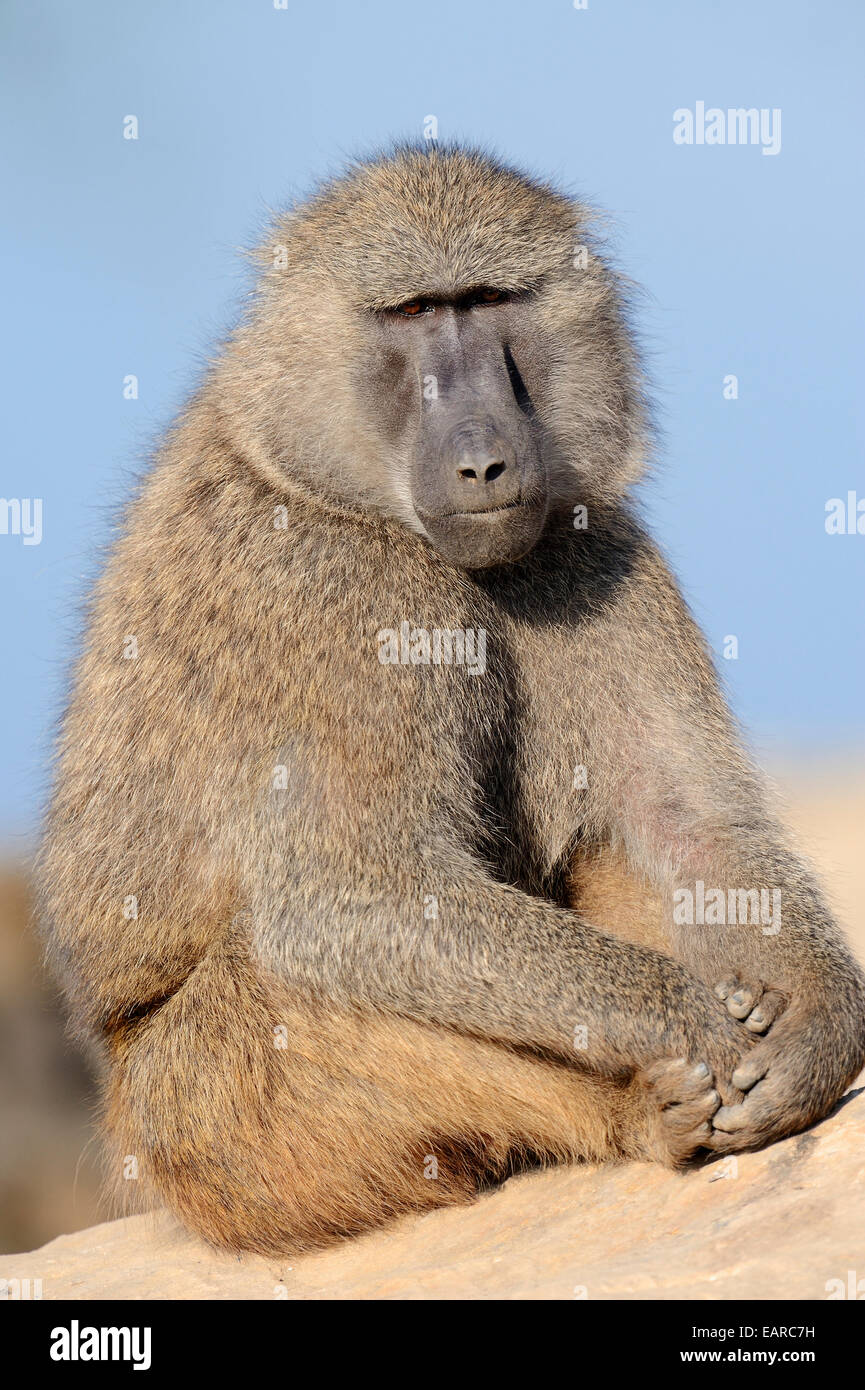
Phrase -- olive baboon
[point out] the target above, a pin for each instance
(335, 898)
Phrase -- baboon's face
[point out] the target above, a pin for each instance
(455, 402)
(437, 341)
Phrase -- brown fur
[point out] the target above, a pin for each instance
(295, 900)
(268, 1150)
(606, 892)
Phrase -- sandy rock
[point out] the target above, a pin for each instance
(782, 1223)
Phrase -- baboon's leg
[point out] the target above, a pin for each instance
(610, 896)
(272, 1124)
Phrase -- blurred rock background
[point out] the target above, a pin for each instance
(49, 1161)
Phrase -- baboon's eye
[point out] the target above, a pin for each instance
(484, 294)
(414, 307)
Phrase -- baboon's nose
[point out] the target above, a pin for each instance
(483, 476)
(472, 466)
(476, 471)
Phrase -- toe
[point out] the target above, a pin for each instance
(765, 1013)
(743, 1000)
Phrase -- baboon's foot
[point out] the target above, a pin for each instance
(754, 1005)
(682, 1100)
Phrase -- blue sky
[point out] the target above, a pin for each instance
(123, 257)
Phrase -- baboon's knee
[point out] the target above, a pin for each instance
(272, 1124)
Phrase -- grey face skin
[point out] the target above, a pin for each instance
(455, 399)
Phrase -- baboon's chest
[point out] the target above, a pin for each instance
(537, 778)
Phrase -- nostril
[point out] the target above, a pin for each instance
(489, 473)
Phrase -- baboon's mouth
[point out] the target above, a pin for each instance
(489, 536)
(487, 511)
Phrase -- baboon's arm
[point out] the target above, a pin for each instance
(486, 959)
(689, 807)
(692, 815)
(790, 968)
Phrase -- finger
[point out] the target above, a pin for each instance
(730, 1119)
(721, 1143)
(754, 1114)
(768, 1009)
(751, 1070)
(693, 1114)
(672, 1082)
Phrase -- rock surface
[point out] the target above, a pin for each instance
(782, 1223)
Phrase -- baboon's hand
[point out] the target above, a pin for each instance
(683, 1094)
(681, 1100)
(793, 1076)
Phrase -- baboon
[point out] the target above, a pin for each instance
(359, 925)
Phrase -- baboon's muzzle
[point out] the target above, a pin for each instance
(478, 482)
